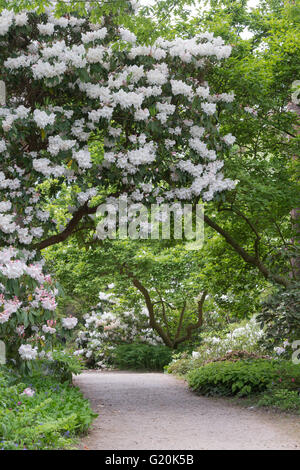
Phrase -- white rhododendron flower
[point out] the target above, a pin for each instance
(279, 350)
(69, 323)
(229, 139)
(103, 327)
(209, 108)
(27, 353)
(42, 119)
(242, 338)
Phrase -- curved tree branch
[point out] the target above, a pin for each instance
(247, 257)
(71, 225)
(164, 312)
(152, 321)
(180, 321)
(194, 326)
(69, 229)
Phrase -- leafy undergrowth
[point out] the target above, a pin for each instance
(244, 378)
(185, 363)
(140, 356)
(267, 383)
(49, 415)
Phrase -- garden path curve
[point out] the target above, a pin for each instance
(154, 411)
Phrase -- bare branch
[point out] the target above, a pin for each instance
(152, 321)
(196, 325)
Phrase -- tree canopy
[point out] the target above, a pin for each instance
(105, 100)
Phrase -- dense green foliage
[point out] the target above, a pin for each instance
(183, 363)
(62, 367)
(280, 315)
(244, 378)
(240, 361)
(141, 356)
(50, 419)
(282, 399)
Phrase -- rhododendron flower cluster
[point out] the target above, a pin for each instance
(49, 327)
(70, 82)
(27, 352)
(105, 328)
(246, 337)
(29, 392)
(69, 323)
(27, 301)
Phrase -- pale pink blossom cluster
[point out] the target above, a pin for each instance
(46, 298)
(27, 352)
(29, 392)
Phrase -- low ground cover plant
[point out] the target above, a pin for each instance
(282, 399)
(244, 378)
(38, 412)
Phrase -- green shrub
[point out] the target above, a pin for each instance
(141, 356)
(182, 363)
(238, 341)
(50, 419)
(244, 377)
(180, 366)
(280, 316)
(62, 366)
(285, 400)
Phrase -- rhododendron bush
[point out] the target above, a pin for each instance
(244, 340)
(108, 326)
(70, 82)
(27, 302)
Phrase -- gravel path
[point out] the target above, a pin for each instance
(154, 411)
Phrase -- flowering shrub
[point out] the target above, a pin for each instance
(67, 80)
(27, 303)
(234, 364)
(27, 322)
(242, 338)
(105, 330)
